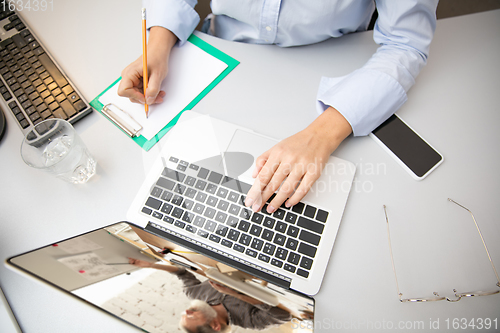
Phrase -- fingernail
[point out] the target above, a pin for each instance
(255, 208)
(287, 204)
(271, 209)
(150, 100)
(248, 202)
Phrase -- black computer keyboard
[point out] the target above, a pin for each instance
(210, 206)
(32, 86)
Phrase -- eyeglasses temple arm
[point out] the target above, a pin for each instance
(392, 258)
(482, 239)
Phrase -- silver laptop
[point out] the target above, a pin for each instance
(194, 193)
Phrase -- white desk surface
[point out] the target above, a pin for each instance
(454, 105)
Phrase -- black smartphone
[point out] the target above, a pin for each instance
(407, 147)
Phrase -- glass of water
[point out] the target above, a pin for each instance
(54, 146)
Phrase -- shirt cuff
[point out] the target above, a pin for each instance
(175, 15)
(366, 98)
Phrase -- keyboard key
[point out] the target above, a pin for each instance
(157, 215)
(221, 230)
(269, 249)
(202, 233)
(310, 211)
(214, 238)
(211, 188)
(188, 217)
(167, 196)
(209, 212)
(257, 244)
(310, 225)
(190, 193)
(226, 243)
(264, 258)
(191, 229)
(244, 225)
(292, 231)
(306, 263)
(177, 200)
(233, 235)
(251, 253)
(222, 205)
(203, 173)
(191, 181)
(179, 224)
(239, 248)
(201, 197)
(245, 239)
(281, 253)
(298, 208)
(198, 208)
(267, 234)
(290, 217)
(302, 273)
(188, 204)
(291, 244)
(279, 239)
(321, 215)
(307, 249)
(222, 192)
(153, 203)
(277, 263)
(215, 177)
(293, 258)
(177, 212)
(220, 217)
(269, 222)
(200, 184)
(257, 218)
(210, 226)
(166, 208)
(255, 230)
(232, 221)
(233, 196)
(279, 214)
(234, 209)
(309, 237)
(289, 268)
(146, 210)
(168, 219)
(280, 227)
(211, 201)
(245, 213)
(199, 221)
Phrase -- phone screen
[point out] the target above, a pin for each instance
(407, 146)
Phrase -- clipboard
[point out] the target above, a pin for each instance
(131, 126)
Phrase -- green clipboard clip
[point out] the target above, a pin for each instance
(123, 119)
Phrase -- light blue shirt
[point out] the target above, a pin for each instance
(365, 97)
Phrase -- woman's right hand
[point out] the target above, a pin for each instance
(160, 43)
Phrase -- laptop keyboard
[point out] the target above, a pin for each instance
(33, 87)
(210, 208)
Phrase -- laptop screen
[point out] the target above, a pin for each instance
(159, 286)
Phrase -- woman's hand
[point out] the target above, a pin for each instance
(294, 164)
(160, 44)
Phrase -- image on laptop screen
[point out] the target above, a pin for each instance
(159, 286)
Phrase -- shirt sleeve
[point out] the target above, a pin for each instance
(177, 16)
(371, 94)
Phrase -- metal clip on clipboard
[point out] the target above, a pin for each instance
(122, 119)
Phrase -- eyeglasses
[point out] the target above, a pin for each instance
(436, 296)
